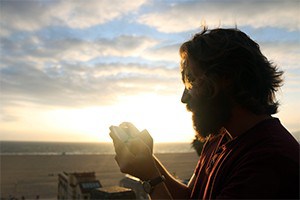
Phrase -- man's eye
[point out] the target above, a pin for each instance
(190, 78)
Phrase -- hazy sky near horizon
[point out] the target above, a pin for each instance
(70, 69)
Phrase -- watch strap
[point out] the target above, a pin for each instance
(157, 180)
(149, 185)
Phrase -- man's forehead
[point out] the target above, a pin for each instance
(186, 74)
(183, 64)
(186, 67)
(191, 67)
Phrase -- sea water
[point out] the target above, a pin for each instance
(70, 148)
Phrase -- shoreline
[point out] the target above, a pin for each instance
(32, 175)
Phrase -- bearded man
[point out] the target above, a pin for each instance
(230, 89)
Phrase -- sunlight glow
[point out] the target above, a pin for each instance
(163, 116)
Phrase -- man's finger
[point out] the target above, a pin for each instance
(114, 137)
(146, 137)
(120, 148)
(130, 128)
(125, 160)
(118, 144)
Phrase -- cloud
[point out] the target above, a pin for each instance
(41, 51)
(189, 15)
(284, 54)
(23, 15)
(61, 71)
(79, 86)
(80, 14)
(32, 15)
(124, 45)
(167, 52)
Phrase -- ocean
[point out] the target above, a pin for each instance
(69, 148)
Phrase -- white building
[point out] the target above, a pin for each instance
(77, 185)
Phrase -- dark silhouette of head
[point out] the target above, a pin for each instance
(222, 68)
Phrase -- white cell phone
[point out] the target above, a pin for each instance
(120, 133)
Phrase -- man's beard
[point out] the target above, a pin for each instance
(210, 114)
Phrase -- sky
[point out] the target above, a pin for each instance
(70, 69)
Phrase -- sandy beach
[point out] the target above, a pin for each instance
(30, 176)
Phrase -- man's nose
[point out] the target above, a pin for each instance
(185, 96)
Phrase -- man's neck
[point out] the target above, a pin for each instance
(242, 120)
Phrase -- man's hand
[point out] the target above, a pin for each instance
(133, 132)
(135, 158)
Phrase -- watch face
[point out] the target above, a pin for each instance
(147, 187)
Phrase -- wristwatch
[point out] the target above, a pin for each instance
(149, 185)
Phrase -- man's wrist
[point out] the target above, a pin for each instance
(149, 185)
(151, 173)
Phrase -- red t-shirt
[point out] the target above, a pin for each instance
(262, 163)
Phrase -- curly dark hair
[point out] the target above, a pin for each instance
(231, 54)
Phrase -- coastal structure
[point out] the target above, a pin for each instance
(84, 185)
(77, 185)
(113, 192)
